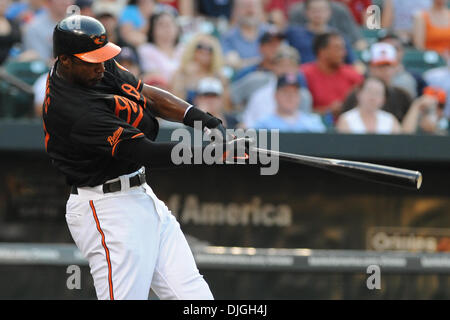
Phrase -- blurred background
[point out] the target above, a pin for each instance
(361, 80)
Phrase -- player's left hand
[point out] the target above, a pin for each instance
(236, 150)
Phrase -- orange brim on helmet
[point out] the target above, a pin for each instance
(108, 51)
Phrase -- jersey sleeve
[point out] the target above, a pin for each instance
(123, 74)
(102, 133)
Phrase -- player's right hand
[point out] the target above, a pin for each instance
(237, 150)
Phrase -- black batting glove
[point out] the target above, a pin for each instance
(207, 120)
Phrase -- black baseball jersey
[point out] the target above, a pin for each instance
(83, 126)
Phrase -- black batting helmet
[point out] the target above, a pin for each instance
(83, 37)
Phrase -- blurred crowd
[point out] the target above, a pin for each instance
(292, 65)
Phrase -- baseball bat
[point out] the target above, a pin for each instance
(361, 170)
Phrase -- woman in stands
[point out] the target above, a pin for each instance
(161, 56)
(202, 58)
(367, 116)
(432, 28)
(9, 32)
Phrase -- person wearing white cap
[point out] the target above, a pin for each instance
(382, 65)
(383, 58)
(210, 98)
(411, 81)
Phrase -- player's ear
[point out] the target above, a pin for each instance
(65, 60)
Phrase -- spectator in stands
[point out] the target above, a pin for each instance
(426, 114)
(240, 44)
(201, 58)
(215, 8)
(134, 21)
(9, 32)
(250, 78)
(402, 78)
(269, 43)
(440, 78)
(340, 19)
(277, 11)
(183, 7)
(107, 13)
(39, 94)
(261, 102)
(358, 9)
(38, 34)
(287, 116)
(367, 116)
(398, 16)
(24, 11)
(329, 79)
(161, 55)
(432, 28)
(210, 98)
(129, 60)
(318, 13)
(383, 66)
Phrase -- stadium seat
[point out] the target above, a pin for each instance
(16, 96)
(413, 60)
(363, 55)
(372, 36)
(421, 61)
(27, 71)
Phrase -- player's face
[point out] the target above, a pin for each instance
(85, 73)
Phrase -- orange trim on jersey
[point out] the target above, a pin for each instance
(108, 259)
(115, 145)
(121, 66)
(114, 148)
(47, 94)
(138, 119)
(132, 91)
(47, 136)
(145, 102)
(139, 84)
(137, 135)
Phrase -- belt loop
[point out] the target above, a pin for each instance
(125, 183)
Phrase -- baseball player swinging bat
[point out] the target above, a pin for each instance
(362, 170)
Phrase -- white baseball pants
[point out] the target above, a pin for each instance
(132, 243)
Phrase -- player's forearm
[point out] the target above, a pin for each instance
(146, 152)
(165, 104)
(157, 154)
(172, 108)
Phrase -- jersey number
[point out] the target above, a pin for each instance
(133, 111)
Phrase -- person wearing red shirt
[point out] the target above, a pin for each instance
(357, 8)
(329, 79)
(183, 7)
